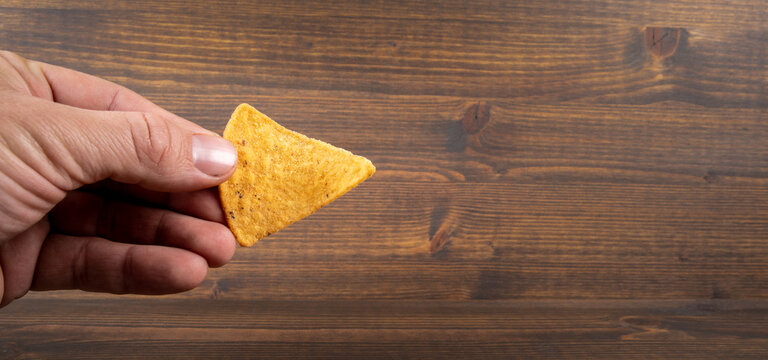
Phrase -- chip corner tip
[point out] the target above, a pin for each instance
(243, 239)
(245, 111)
(243, 106)
(246, 244)
(370, 169)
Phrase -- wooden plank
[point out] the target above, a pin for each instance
(742, 12)
(512, 241)
(376, 329)
(566, 58)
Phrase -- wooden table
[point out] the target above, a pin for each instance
(560, 179)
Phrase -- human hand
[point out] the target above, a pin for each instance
(103, 190)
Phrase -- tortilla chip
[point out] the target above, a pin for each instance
(281, 176)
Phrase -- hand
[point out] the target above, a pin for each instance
(103, 190)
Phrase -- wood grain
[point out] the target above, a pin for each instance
(379, 329)
(555, 56)
(556, 179)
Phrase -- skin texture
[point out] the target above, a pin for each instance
(99, 189)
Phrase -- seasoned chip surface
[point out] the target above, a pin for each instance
(281, 176)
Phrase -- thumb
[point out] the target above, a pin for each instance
(154, 150)
(139, 144)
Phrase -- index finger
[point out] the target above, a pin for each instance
(203, 204)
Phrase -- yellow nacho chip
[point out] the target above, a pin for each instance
(281, 176)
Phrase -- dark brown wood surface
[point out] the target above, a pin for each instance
(557, 179)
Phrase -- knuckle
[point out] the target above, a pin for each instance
(152, 139)
(8, 54)
(13, 58)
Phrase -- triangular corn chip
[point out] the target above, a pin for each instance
(281, 176)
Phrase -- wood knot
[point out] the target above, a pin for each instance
(219, 287)
(439, 239)
(442, 227)
(476, 117)
(471, 122)
(662, 42)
